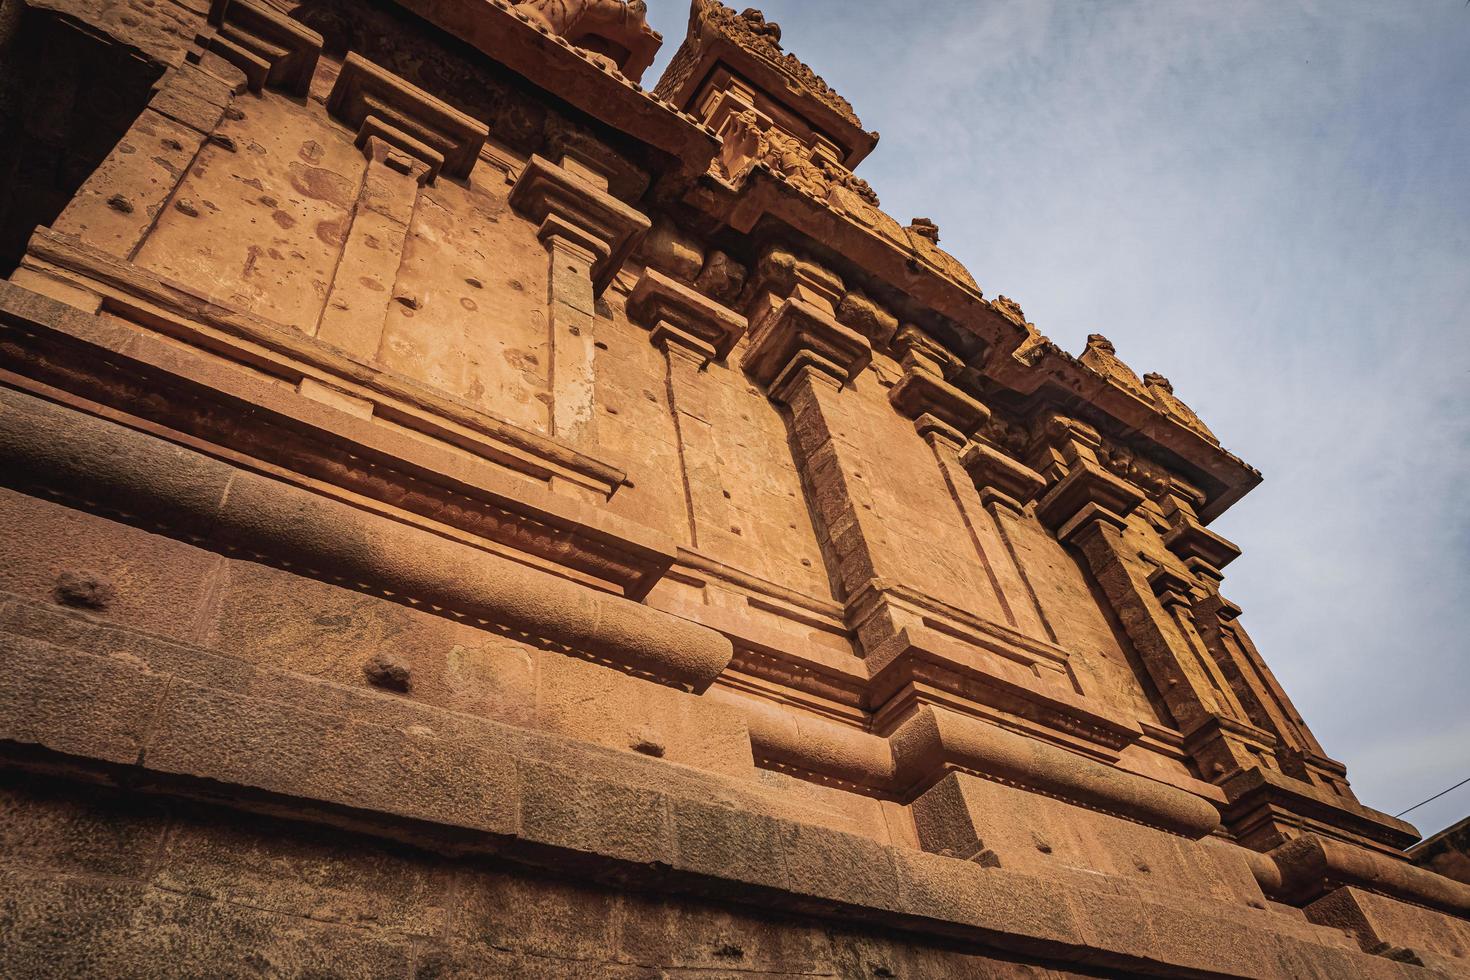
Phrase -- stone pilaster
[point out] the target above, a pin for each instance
(804, 357)
(946, 418)
(1088, 507)
(692, 330)
(1003, 487)
(409, 139)
(588, 234)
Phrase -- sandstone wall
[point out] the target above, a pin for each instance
(468, 515)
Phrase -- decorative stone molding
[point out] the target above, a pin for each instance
(568, 202)
(674, 313)
(189, 495)
(272, 50)
(379, 103)
(934, 741)
(1311, 866)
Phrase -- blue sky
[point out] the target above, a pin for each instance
(1268, 202)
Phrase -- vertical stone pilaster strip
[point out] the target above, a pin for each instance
(1003, 519)
(362, 285)
(829, 468)
(1003, 580)
(588, 235)
(689, 401)
(571, 314)
(693, 331)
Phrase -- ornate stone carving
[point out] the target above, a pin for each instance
(722, 278)
(1134, 467)
(762, 39)
(1163, 396)
(923, 237)
(616, 32)
(1102, 357)
(867, 317)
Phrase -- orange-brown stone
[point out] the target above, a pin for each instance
(469, 515)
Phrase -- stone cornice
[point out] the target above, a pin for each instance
(575, 76)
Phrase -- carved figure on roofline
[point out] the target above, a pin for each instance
(923, 236)
(616, 31)
(1163, 396)
(1102, 357)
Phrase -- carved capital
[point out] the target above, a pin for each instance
(997, 475)
(800, 332)
(1171, 588)
(919, 392)
(270, 48)
(545, 190)
(379, 103)
(677, 314)
(1189, 539)
(1085, 486)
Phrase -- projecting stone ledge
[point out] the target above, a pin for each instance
(176, 722)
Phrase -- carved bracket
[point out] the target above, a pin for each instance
(605, 225)
(381, 104)
(1000, 477)
(800, 334)
(674, 313)
(1090, 492)
(1189, 539)
(919, 392)
(269, 47)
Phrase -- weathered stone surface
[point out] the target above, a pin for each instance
(609, 546)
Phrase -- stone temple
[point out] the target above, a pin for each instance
(468, 514)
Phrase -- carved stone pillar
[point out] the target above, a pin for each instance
(588, 235)
(409, 138)
(692, 330)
